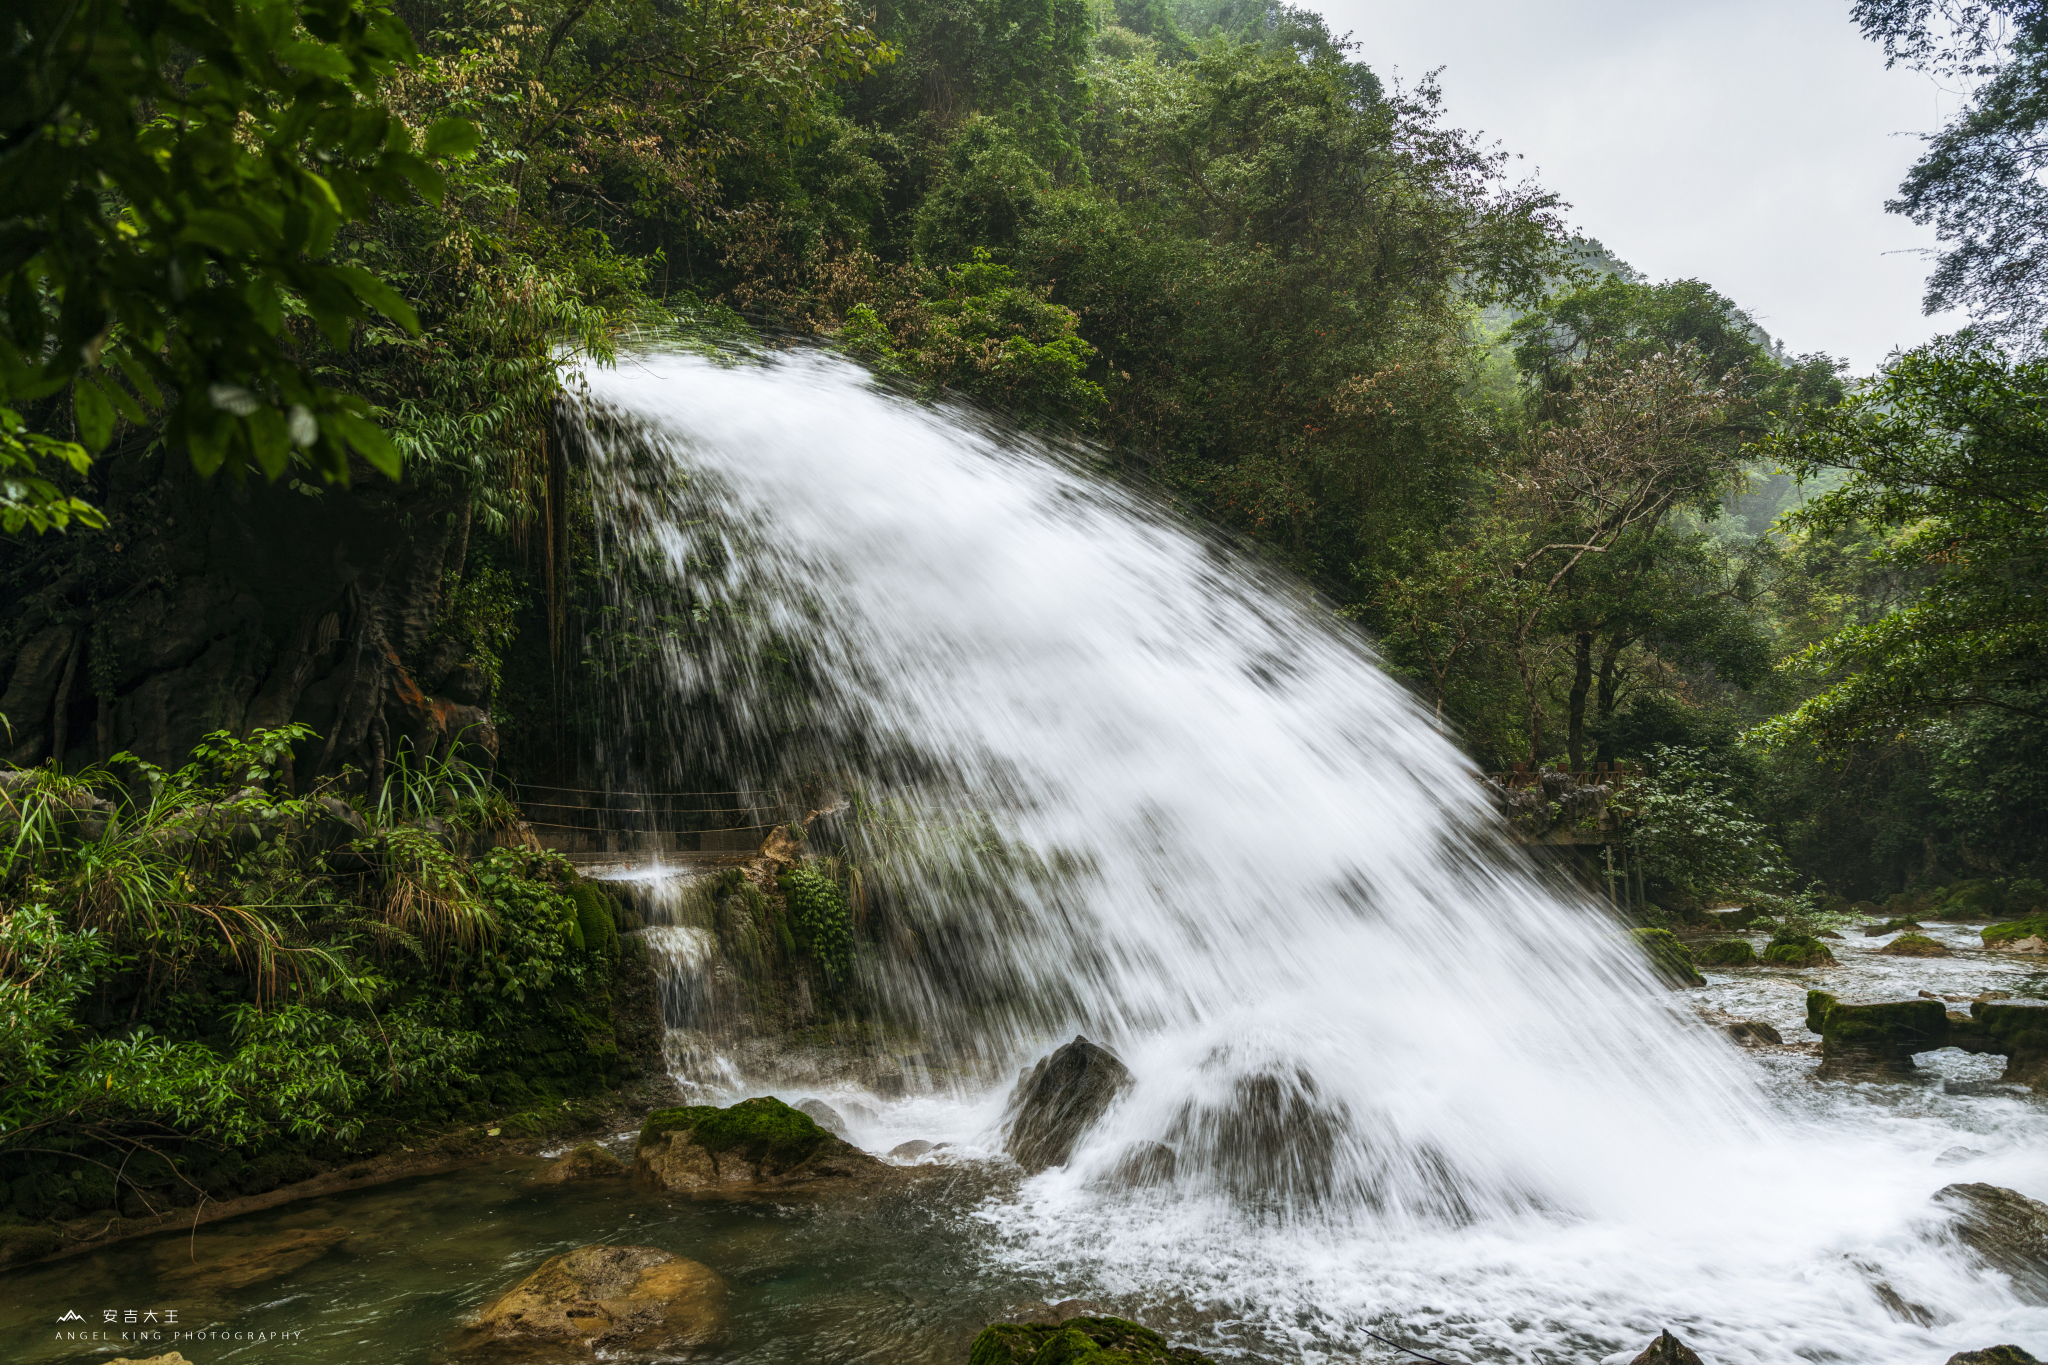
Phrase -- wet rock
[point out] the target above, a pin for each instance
(755, 1143)
(588, 1162)
(1914, 945)
(1797, 950)
(825, 1116)
(1667, 1350)
(1059, 1100)
(174, 1358)
(1052, 1314)
(1145, 1163)
(1078, 1341)
(2007, 1229)
(2029, 935)
(1272, 1139)
(2016, 1030)
(261, 1259)
(1990, 1355)
(1956, 1156)
(597, 1301)
(909, 1151)
(1873, 1042)
(1670, 958)
(1725, 952)
(1891, 927)
(1754, 1033)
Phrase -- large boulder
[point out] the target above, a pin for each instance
(755, 1143)
(1667, 1350)
(825, 1116)
(2007, 1229)
(1059, 1100)
(1725, 952)
(1874, 1042)
(1990, 1355)
(1789, 949)
(596, 1302)
(2016, 1030)
(1078, 1341)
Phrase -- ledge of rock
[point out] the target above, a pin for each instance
(1059, 1100)
(2007, 1229)
(755, 1143)
(1078, 1341)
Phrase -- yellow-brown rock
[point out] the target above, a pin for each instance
(601, 1300)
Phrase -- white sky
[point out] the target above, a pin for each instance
(1747, 143)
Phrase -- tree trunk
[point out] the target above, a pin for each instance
(1610, 684)
(1582, 683)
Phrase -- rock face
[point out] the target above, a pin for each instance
(1914, 945)
(1990, 1355)
(2009, 1230)
(588, 1162)
(1078, 1341)
(1673, 963)
(1667, 1350)
(1873, 1042)
(755, 1143)
(1059, 1100)
(596, 1301)
(825, 1116)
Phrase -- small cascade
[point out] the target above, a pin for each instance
(1108, 776)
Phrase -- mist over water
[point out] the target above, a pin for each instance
(1170, 802)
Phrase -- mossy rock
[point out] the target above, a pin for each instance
(1673, 963)
(1874, 1042)
(1993, 1355)
(1725, 952)
(1980, 898)
(1798, 950)
(1914, 945)
(1891, 926)
(597, 926)
(1078, 1341)
(763, 1129)
(2014, 931)
(20, 1243)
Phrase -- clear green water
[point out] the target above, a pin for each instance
(896, 1277)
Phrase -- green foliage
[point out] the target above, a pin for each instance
(177, 174)
(825, 928)
(1686, 829)
(1671, 959)
(1945, 452)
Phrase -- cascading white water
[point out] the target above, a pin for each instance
(1412, 1088)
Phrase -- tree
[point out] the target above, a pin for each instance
(1978, 185)
(175, 173)
(1948, 453)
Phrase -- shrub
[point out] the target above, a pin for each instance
(819, 909)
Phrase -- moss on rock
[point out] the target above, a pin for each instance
(1790, 949)
(762, 1129)
(1725, 952)
(1078, 1341)
(2015, 931)
(1914, 945)
(1874, 1042)
(1670, 958)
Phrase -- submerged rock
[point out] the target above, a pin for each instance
(1078, 1341)
(588, 1162)
(2007, 1229)
(1667, 1350)
(1914, 945)
(757, 1142)
(1873, 1042)
(1753, 1032)
(1990, 1355)
(1059, 1100)
(1673, 963)
(598, 1300)
(825, 1116)
(259, 1260)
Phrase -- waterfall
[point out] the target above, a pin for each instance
(1140, 786)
